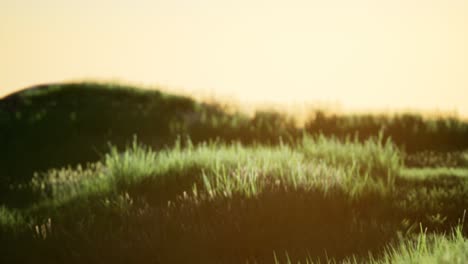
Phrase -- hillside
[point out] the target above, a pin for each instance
(94, 173)
(317, 200)
(58, 125)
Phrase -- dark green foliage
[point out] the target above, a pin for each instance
(409, 131)
(216, 203)
(263, 189)
(437, 159)
(67, 124)
(53, 126)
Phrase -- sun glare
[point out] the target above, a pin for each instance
(363, 55)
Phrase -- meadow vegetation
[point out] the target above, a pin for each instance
(187, 182)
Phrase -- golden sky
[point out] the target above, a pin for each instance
(364, 54)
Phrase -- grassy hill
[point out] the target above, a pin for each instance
(67, 124)
(320, 199)
(184, 181)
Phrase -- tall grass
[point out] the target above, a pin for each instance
(431, 249)
(422, 248)
(69, 124)
(315, 161)
(215, 202)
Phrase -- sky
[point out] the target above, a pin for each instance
(361, 54)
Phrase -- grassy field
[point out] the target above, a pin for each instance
(188, 182)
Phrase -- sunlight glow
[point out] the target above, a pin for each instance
(364, 54)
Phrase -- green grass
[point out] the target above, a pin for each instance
(422, 248)
(206, 185)
(215, 202)
(452, 248)
(215, 163)
(58, 125)
(440, 172)
(433, 159)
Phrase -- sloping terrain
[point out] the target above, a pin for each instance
(67, 124)
(106, 173)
